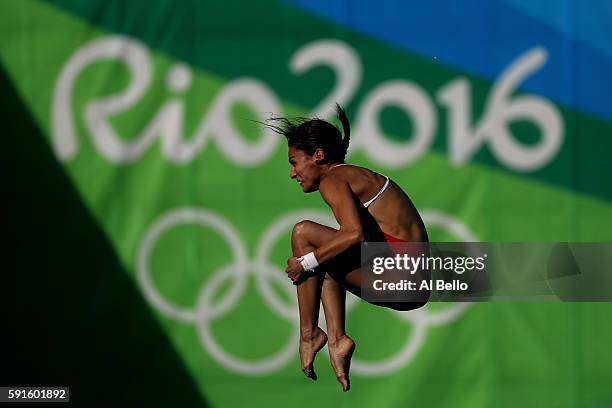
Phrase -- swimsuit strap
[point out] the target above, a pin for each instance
(382, 190)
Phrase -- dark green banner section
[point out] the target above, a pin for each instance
(205, 35)
(75, 317)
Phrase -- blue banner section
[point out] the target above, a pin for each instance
(481, 37)
(585, 21)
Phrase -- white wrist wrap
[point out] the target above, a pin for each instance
(308, 261)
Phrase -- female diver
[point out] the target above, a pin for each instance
(326, 262)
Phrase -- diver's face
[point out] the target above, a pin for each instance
(304, 169)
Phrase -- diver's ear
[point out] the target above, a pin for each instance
(319, 156)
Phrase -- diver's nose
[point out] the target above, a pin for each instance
(293, 174)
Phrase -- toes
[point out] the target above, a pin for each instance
(344, 382)
(309, 372)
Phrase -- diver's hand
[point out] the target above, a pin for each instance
(294, 269)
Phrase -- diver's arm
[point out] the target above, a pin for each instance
(338, 195)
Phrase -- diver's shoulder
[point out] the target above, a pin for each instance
(347, 168)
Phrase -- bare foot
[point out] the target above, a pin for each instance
(340, 354)
(309, 347)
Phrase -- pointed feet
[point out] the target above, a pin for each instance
(309, 347)
(340, 354)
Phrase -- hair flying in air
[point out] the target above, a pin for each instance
(310, 134)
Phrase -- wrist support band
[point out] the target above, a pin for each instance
(308, 261)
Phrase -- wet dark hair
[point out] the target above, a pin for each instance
(310, 134)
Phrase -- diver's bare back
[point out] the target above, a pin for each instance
(393, 210)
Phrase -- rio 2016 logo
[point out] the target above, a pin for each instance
(465, 138)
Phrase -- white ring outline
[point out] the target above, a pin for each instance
(166, 222)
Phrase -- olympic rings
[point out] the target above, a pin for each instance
(263, 271)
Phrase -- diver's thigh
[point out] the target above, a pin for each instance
(316, 234)
(351, 281)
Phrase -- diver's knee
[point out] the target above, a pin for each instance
(301, 230)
